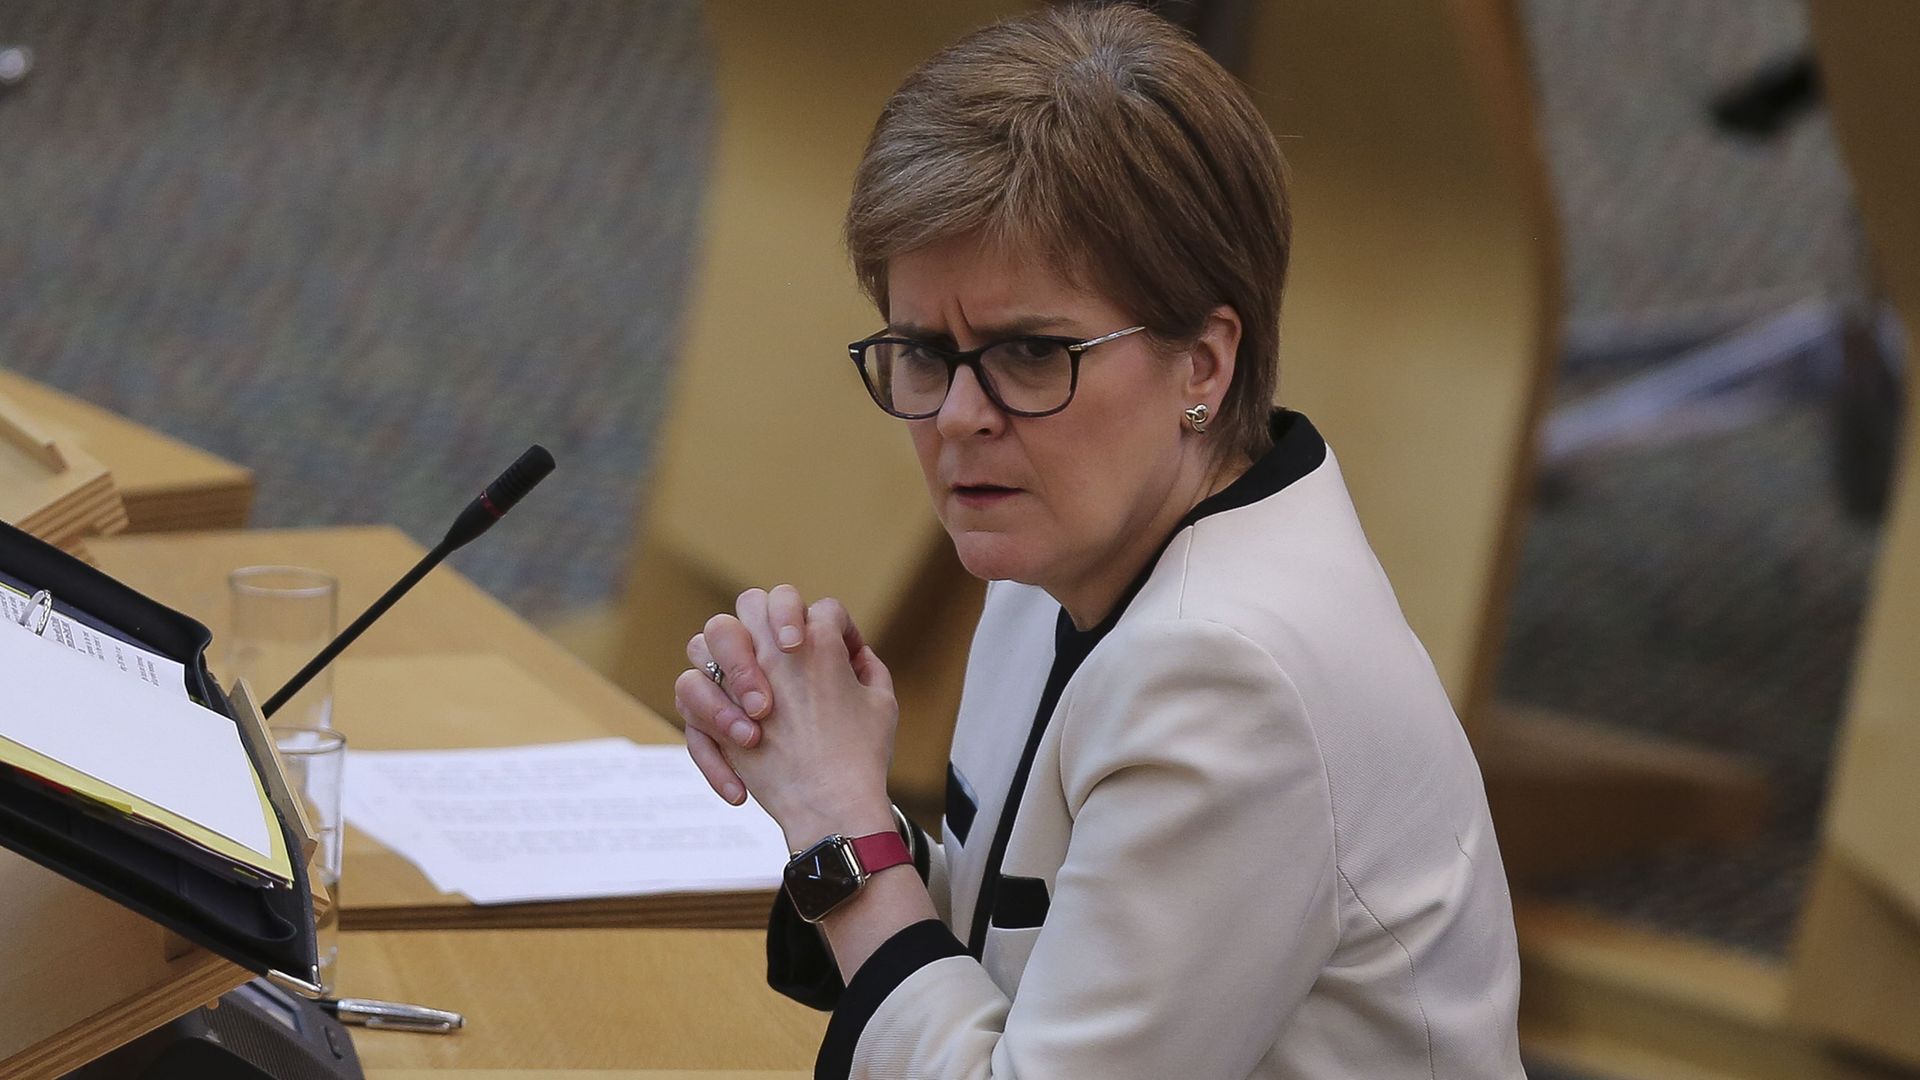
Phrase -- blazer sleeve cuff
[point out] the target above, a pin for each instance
(798, 962)
(890, 965)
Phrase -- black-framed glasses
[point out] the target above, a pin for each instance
(1034, 375)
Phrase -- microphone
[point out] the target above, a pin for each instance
(480, 514)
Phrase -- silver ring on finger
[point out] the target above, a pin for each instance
(713, 672)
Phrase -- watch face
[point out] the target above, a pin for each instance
(819, 878)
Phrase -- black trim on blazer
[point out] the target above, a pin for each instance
(1069, 648)
(1021, 903)
(960, 806)
(1297, 450)
(897, 958)
(798, 963)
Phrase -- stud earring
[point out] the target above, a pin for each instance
(1197, 418)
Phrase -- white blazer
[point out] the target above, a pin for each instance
(1249, 839)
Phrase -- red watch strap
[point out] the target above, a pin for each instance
(881, 850)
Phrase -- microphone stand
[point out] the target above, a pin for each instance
(479, 516)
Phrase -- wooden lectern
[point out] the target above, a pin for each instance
(84, 974)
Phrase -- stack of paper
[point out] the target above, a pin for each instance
(76, 719)
(562, 821)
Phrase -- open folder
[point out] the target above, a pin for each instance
(123, 768)
(135, 750)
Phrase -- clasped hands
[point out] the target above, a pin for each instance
(803, 717)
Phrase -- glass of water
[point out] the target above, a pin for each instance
(316, 763)
(282, 617)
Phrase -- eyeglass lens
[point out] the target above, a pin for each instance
(1028, 375)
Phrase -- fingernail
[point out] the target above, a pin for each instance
(731, 793)
(741, 731)
(789, 636)
(755, 701)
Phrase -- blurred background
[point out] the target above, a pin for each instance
(368, 249)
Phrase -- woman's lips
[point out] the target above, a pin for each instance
(980, 496)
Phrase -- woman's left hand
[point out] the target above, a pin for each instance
(820, 765)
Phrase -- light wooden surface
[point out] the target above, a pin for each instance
(80, 975)
(445, 614)
(581, 999)
(50, 487)
(1856, 964)
(1568, 793)
(25, 433)
(773, 465)
(1420, 318)
(448, 667)
(165, 483)
(1858, 950)
(815, 484)
(1866, 52)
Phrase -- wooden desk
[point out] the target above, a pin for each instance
(165, 484)
(581, 999)
(450, 666)
(445, 614)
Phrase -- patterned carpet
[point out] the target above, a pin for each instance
(1709, 591)
(374, 247)
(1671, 227)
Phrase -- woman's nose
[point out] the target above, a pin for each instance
(968, 410)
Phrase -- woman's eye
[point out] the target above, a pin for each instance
(1031, 350)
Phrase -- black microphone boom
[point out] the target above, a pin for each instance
(479, 516)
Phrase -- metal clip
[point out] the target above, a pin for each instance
(39, 613)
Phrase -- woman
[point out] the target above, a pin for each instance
(1209, 811)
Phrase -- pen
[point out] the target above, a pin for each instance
(392, 1015)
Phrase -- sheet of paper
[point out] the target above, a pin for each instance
(114, 654)
(561, 821)
(129, 735)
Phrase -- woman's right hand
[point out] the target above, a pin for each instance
(729, 713)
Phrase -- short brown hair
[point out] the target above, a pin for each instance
(1105, 138)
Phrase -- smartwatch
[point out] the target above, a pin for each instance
(827, 874)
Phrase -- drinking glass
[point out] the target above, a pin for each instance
(282, 617)
(316, 762)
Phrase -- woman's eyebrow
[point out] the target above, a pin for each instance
(1016, 326)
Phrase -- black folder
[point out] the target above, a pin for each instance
(263, 927)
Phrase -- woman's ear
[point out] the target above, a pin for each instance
(1211, 359)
